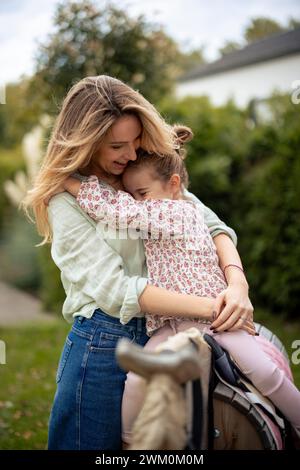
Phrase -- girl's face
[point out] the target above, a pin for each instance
(119, 146)
(142, 184)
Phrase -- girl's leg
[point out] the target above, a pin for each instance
(263, 372)
(133, 396)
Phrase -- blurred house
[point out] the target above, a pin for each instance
(251, 73)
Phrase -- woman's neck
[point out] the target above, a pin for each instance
(113, 180)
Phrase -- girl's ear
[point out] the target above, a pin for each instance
(175, 181)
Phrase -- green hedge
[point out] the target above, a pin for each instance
(268, 219)
(249, 175)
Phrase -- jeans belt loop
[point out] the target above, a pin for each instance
(139, 325)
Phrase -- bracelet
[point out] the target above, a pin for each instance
(227, 266)
(235, 265)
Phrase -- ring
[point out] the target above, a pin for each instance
(243, 318)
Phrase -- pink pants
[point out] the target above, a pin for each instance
(247, 353)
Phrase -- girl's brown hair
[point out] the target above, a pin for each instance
(165, 166)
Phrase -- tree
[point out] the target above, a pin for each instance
(16, 118)
(260, 28)
(89, 40)
(229, 46)
(190, 60)
(294, 23)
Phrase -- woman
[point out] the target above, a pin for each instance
(98, 130)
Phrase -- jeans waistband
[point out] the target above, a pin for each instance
(137, 324)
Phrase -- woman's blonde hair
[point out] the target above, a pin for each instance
(89, 110)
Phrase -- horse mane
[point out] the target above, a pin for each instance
(163, 416)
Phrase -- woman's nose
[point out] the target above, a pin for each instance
(131, 154)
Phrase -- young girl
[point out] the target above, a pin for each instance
(181, 256)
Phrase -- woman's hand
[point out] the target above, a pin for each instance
(233, 310)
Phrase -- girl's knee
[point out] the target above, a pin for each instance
(252, 360)
(268, 381)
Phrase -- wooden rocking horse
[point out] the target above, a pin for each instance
(196, 398)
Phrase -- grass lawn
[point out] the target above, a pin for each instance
(28, 383)
(28, 378)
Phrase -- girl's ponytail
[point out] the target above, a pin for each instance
(182, 134)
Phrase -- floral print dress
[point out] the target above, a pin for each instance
(180, 252)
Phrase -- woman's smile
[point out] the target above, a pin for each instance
(120, 165)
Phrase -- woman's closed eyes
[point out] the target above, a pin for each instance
(137, 142)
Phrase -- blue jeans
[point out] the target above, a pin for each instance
(86, 412)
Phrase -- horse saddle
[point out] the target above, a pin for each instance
(211, 379)
(228, 383)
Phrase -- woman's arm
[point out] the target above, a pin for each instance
(228, 254)
(214, 224)
(234, 300)
(233, 304)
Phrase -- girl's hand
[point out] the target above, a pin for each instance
(233, 310)
(58, 190)
(72, 185)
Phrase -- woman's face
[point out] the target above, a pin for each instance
(119, 146)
